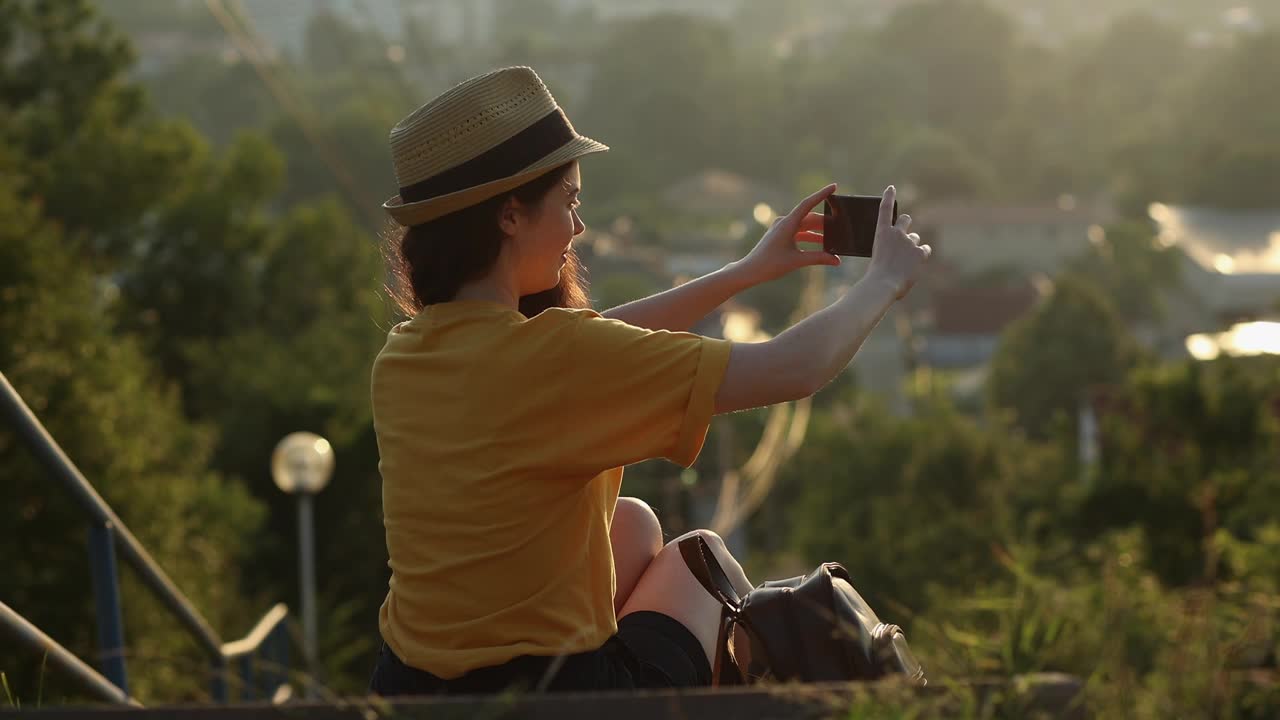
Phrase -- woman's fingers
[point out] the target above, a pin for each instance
(809, 237)
(886, 207)
(811, 202)
(903, 223)
(813, 222)
(818, 257)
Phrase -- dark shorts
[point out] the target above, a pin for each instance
(650, 650)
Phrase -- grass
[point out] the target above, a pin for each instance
(16, 703)
(4, 680)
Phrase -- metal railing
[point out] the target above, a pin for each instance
(266, 645)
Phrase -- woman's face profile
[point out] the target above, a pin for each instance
(543, 240)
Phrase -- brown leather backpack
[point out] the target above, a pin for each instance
(811, 628)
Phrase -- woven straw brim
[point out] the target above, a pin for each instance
(416, 213)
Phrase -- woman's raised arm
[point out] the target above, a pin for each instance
(775, 255)
(803, 359)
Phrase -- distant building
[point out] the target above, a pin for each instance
(715, 192)
(967, 322)
(1233, 262)
(1029, 238)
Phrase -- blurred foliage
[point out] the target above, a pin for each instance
(189, 271)
(99, 395)
(1136, 273)
(1048, 361)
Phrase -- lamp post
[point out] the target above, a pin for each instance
(301, 465)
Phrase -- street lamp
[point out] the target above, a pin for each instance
(301, 465)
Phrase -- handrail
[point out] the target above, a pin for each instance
(50, 454)
(269, 635)
(63, 659)
(258, 634)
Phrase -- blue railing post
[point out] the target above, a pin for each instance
(272, 669)
(218, 686)
(246, 677)
(282, 655)
(106, 598)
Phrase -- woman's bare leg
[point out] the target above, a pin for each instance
(668, 587)
(636, 537)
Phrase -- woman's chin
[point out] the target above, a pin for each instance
(549, 284)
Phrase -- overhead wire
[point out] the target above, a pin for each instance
(252, 46)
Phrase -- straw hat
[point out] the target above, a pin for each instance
(483, 137)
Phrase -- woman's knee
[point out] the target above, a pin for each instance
(711, 538)
(636, 537)
(636, 525)
(714, 541)
(728, 563)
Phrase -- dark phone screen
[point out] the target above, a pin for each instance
(849, 224)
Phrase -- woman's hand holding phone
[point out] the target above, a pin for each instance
(897, 257)
(779, 252)
(803, 358)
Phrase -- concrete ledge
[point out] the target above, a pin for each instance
(1051, 694)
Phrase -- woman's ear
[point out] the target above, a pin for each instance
(510, 216)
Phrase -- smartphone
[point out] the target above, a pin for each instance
(849, 224)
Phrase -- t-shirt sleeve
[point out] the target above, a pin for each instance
(636, 394)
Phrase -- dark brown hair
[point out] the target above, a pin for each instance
(429, 263)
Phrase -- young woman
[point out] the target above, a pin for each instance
(506, 409)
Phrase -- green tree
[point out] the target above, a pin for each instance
(682, 107)
(1240, 176)
(911, 505)
(171, 327)
(960, 63)
(65, 108)
(851, 101)
(1227, 158)
(1047, 362)
(101, 399)
(938, 166)
(184, 91)
(1126, 78)
(1134, 271)
(1189, 460)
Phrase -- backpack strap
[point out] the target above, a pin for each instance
(704, 566)
(724, 671)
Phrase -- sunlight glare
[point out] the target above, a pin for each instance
(1243, 339)
(1202, 347)
(1253, 338)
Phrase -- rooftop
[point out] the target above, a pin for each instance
(980, 310)
(1228, 242)
(717, 191)
(1066, 211)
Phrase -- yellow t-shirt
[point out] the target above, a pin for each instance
(502, 441)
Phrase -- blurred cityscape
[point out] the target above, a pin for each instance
(1231, 259)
